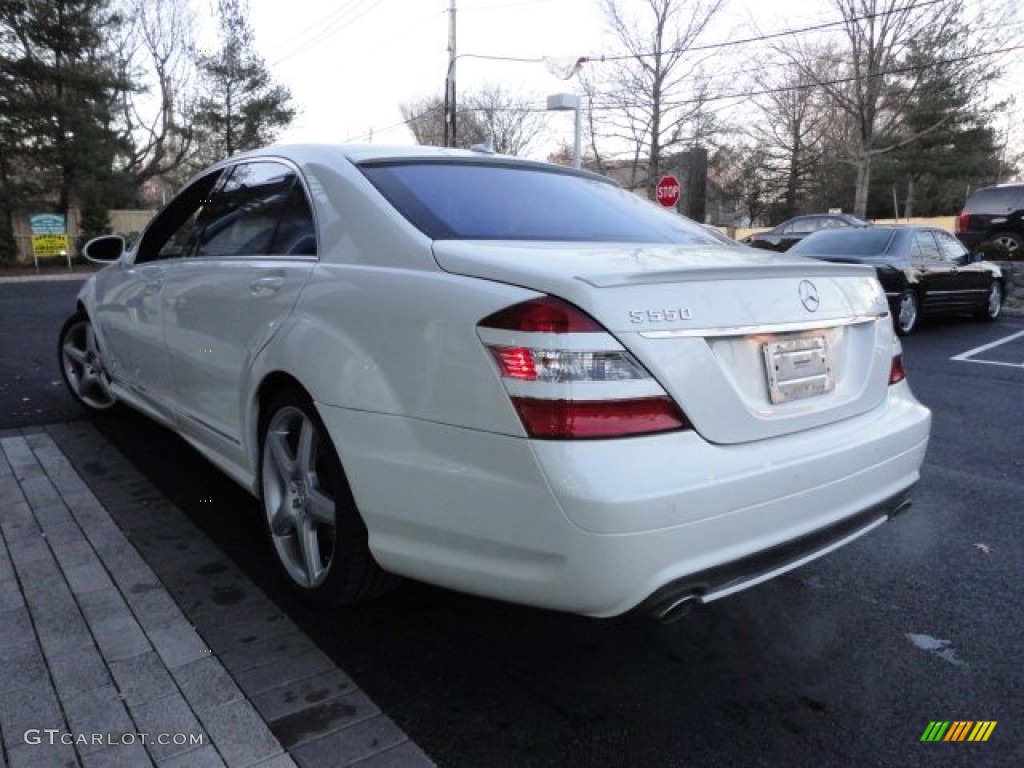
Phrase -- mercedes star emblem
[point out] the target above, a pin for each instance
(809, 295)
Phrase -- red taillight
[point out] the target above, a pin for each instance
(573, 419)
(544, 315)
(896, 371)
(963, 222)
(568, 378)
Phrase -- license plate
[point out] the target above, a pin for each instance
(798, 368)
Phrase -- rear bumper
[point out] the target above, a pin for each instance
(671, 600)
(599, 527)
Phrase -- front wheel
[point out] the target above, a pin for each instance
(907, 315)
(311, 519)
(993, 304)
(82, 367)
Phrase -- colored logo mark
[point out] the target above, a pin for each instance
(958, 730)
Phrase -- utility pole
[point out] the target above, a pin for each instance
(450, 131)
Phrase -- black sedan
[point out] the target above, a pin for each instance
(922, 269)
(790, 232)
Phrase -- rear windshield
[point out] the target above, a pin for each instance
(869, 241)
(494, 201)
(996, 199)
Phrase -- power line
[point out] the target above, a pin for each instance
(355, 10)
(747, 94)
(769, 36)
(821, 83)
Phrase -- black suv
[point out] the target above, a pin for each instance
(993, 215)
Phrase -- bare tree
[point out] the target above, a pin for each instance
(878, 83)
(511, 123)
(652, 96)
(158, 53)
(425, 119)
(492, 114)
(793, 127)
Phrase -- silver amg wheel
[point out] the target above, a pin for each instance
(316, 532)
(81, 365)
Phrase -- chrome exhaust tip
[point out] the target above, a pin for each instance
(672, 611)
(902, 507)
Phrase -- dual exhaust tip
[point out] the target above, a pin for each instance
(672, 609)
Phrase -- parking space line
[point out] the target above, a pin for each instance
(969, 354)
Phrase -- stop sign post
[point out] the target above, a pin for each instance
(667, 190)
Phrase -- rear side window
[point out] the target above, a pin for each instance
(925, 247)
(492, 201)
(996, 199)
(950, 247)
(803, 225)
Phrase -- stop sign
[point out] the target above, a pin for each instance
(667, 191)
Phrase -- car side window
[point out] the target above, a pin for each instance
(296, 233)
(802, 225)
(172, 232)
(951, 248)
(244, 214)
(925, 247)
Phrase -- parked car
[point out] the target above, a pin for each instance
(784, 236)
(503, 377)
(994, 215)
(721, 237)
(923, 270)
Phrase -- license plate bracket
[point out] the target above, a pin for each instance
(798, 368)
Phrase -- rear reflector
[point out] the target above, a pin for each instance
(896, 372)
(575, 419)
(962, 222)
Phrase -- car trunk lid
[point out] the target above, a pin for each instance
(750, 345)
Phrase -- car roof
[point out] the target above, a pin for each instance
(359, 153)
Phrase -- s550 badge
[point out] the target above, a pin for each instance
(659, 315)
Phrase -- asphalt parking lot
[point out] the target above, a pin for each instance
(843, 662)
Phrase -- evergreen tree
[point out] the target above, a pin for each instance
(59, 89)
(954, 146)
(240, 107)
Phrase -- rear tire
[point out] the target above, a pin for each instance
(1011, 241)
(908, 313)
(993, 303)
(314, 528)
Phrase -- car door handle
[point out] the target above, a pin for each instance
(266, 286)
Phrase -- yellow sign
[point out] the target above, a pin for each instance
(49, 245)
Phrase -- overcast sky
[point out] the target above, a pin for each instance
(351, 63)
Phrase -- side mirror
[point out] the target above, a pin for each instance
(976, 257)
(104, 250)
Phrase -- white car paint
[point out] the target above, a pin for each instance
(382, 330)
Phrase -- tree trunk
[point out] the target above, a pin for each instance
(908, 206)
(860, 201)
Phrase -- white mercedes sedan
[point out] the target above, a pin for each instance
(503, 377)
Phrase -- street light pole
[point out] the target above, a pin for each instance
(450, 129)
(563, 102)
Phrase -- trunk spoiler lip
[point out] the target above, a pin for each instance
(744, 272)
